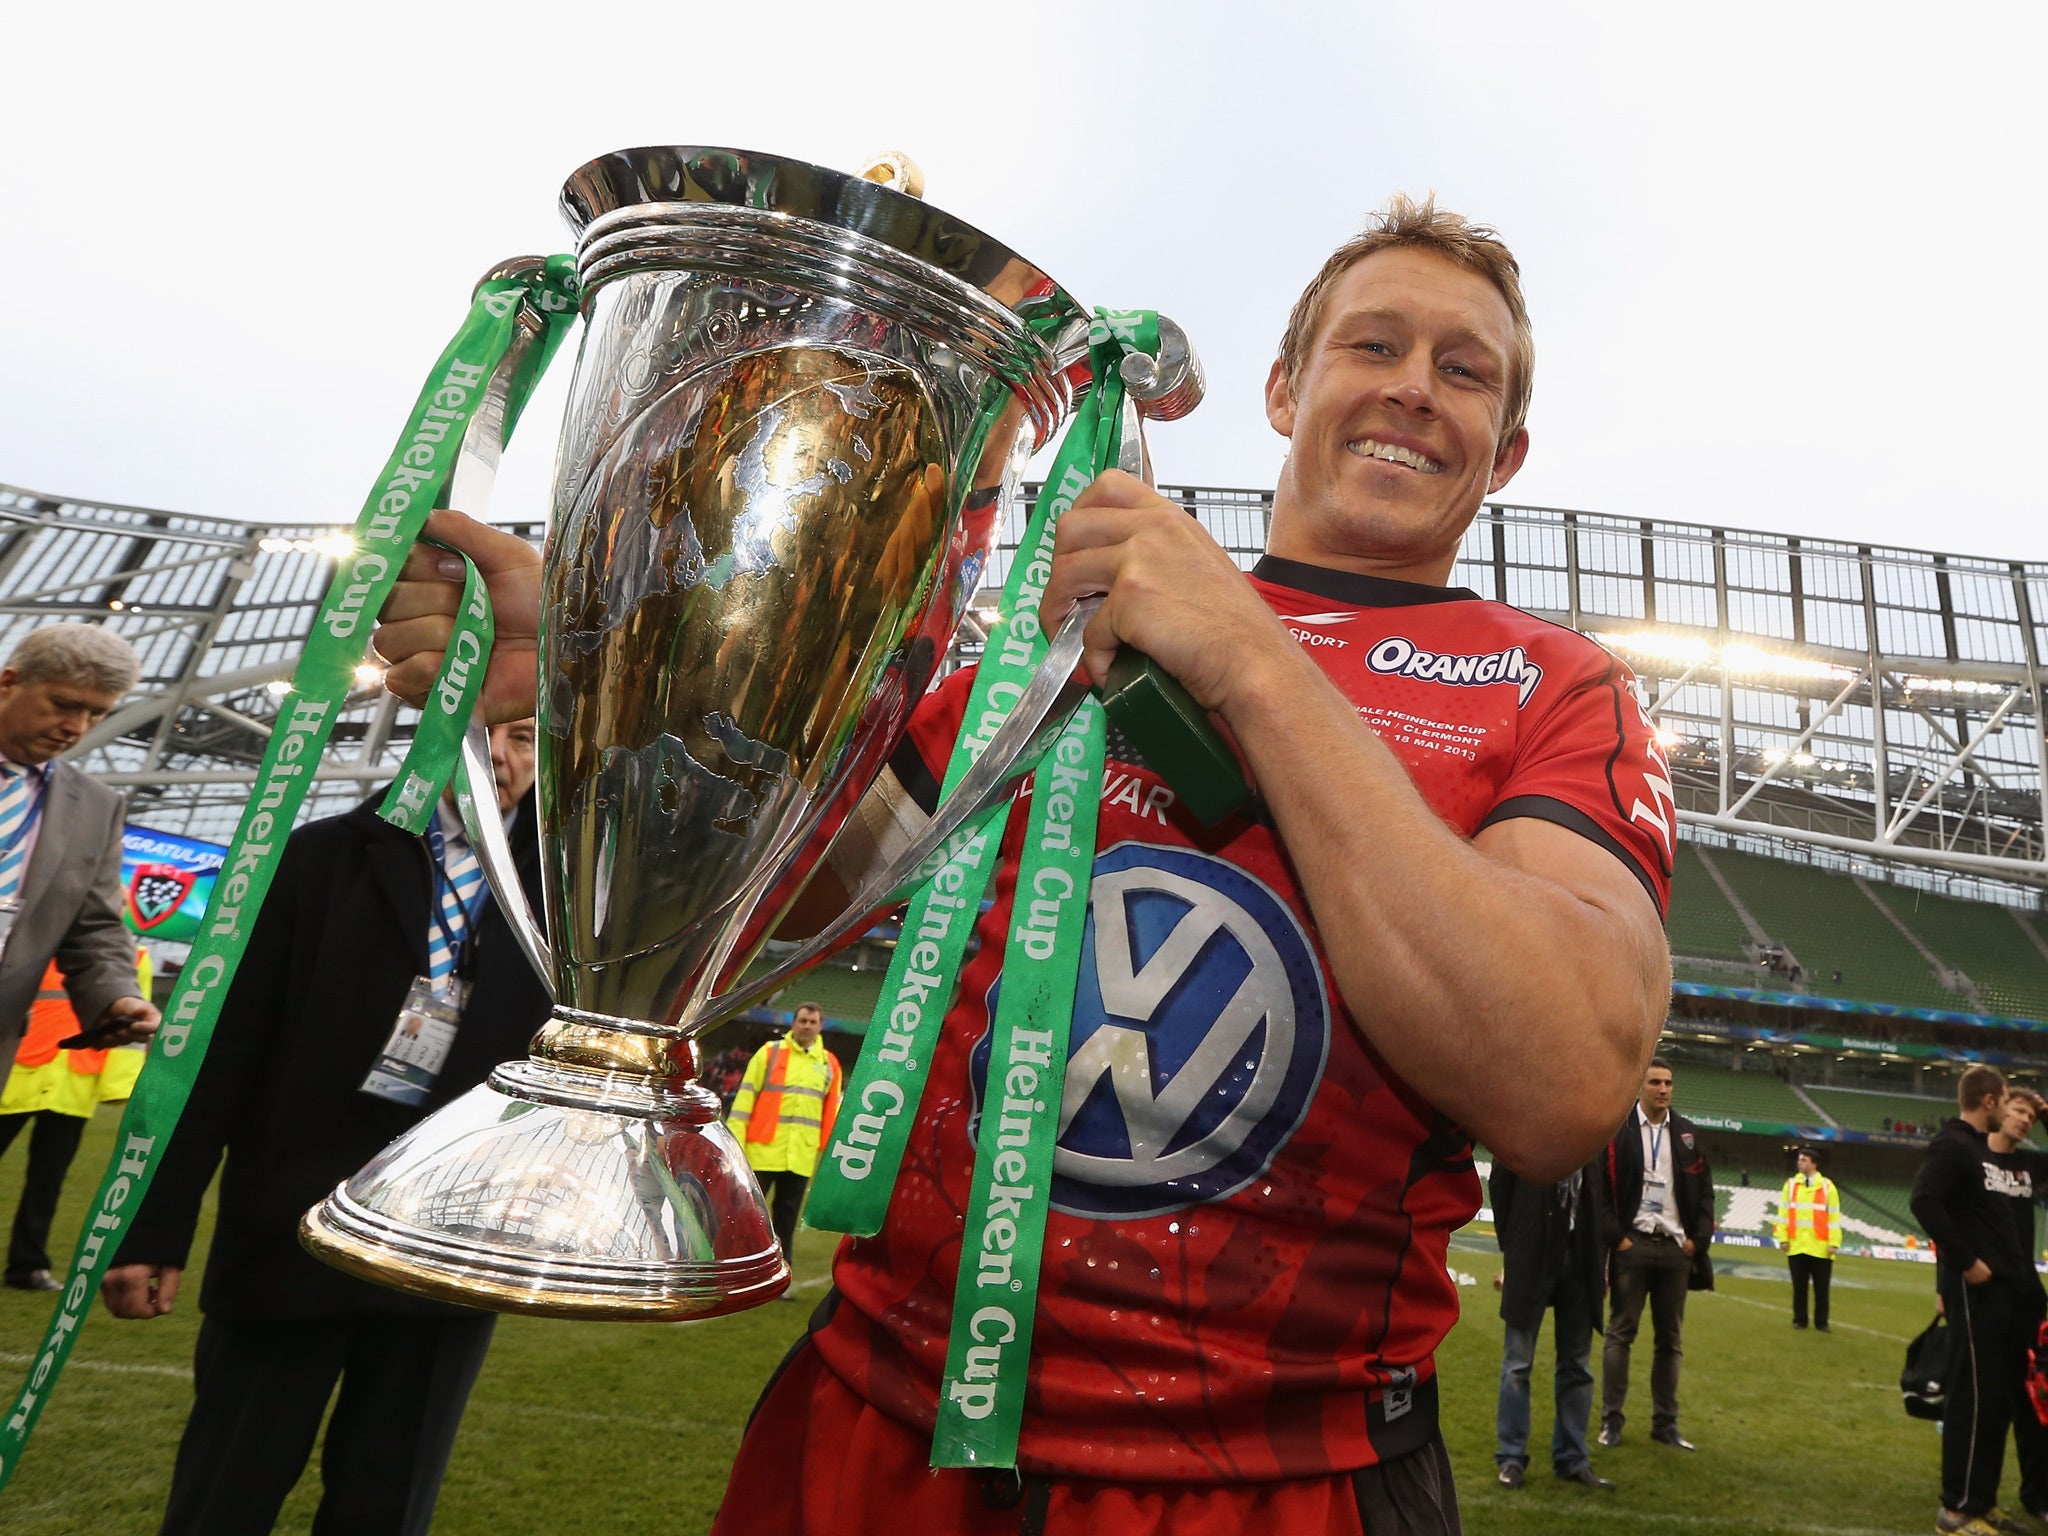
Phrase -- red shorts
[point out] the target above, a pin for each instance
(817, 1460)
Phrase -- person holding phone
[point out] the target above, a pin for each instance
(60, 839)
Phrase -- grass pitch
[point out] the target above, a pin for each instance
(630, 1428)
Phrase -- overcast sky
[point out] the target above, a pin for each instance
(1784, 263)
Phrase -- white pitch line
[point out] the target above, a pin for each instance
(1875, 1333)
(182, 1373)
(1761, 1523)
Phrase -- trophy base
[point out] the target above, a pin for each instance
(564, 1193)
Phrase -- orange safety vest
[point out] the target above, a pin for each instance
(767, 1111)
(51, 1019)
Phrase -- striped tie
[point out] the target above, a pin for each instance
(15, 802)
(462, 878)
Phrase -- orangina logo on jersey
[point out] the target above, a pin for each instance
(1200, 1033)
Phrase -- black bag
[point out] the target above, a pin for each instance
(1927, 1360)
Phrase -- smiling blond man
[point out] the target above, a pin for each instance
(1443, 923)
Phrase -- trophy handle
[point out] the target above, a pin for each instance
(476, 789)
(469, 488)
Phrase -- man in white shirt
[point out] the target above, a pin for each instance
(1657, 1215)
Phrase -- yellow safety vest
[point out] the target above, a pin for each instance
(1809, 1216)
(785, 1105)
(68, 1082)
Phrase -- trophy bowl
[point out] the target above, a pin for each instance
(800, 401)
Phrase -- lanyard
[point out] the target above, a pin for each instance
(1656, 1143)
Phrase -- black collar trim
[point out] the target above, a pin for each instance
(1358, 590)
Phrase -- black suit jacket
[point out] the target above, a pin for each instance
(339, 941)
(1692, 1193)
(1538, 1246)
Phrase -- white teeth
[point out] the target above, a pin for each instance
(1372, 448)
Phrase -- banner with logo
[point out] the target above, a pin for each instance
(166, 881)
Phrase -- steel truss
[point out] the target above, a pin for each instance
(1871, 704)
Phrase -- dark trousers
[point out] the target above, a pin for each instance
(260, 1389)
(1986, 1394)
(1805, 1267)
(51, 1146)
(785, 1192)
(1655, 1268)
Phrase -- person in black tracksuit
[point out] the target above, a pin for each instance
(1974, 1195)
(286, 1093)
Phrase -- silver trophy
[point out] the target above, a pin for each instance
(801, 401)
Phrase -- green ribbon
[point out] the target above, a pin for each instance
(995, 1302)
(414, 479)
(995, 1298)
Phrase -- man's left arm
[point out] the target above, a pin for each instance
(97, 955)
(1517, 980)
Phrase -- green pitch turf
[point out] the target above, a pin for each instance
(630, 1428)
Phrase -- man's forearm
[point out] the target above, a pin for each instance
(1520, 1009)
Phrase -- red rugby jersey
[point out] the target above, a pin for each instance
(1245, 1271)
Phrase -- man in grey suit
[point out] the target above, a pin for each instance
(60, 838)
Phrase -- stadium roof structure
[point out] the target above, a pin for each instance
(1876, 706)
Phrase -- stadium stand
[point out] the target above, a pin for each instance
(1859, 1111)
(1702, 923)
(847, 996)
(1708, 937)
(1718, 1092)
(1828, 925)
(2009, 975)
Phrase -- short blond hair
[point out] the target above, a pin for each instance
(86, 654)
(1403, 222)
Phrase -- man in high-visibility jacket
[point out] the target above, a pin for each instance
(52, 1094)
(1809, 1229)
(783, 1113)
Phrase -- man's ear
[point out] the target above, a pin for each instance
(1508, 460)
(1280, 398)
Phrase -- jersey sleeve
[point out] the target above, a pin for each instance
(1591, 763)
(919, 763)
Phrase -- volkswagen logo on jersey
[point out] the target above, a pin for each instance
(1200, 1033)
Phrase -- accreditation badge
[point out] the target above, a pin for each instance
(1654, 1189)
(10, 909)
(411, 1060)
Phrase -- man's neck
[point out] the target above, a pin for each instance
(1655, 1116)
(2000, 1142)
